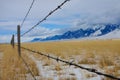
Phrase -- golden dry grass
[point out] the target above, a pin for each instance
(13, 67)
(104, 53)
(76, 47)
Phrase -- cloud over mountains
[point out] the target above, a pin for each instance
(74, 14)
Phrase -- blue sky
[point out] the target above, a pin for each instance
(72, 16)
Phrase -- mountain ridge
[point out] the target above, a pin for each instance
(94, 31)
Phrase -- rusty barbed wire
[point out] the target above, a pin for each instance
(27, 13)
(56, 58)
(28, 68)
(50, 13)
(71, 63)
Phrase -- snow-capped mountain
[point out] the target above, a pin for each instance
(112, 35)
(102, 31)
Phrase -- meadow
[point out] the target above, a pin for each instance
(12, 66)
(103, 55)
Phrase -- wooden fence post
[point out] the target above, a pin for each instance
(12, 41)
(18, 39)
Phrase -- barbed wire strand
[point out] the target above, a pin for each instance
(27, 13)
(28, 68)
(50, 13)
(71, 63)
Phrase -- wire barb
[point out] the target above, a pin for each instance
(28, 68)
(71, 63)
(48, 56)
(27, 13)
(57, 59)
(50, 13)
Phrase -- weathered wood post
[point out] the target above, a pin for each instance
(18, 39)
(12, 41)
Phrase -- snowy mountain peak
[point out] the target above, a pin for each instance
(89, 31)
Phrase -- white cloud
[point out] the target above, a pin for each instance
(76, 13)
(18, 8)
(5, 38)
(91, 9)
(12, 25)
(42, 32)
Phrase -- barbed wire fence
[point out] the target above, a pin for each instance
(72, 64)
(19, 33)
(22, 23)
(28, 68)
(27, 13)
(50, 13)
(48, 55)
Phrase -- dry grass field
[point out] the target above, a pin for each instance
(103, 55)
(12, 66)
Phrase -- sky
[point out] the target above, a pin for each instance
(73, 15)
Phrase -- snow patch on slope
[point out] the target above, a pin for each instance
(112, 35)
(98, 32)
